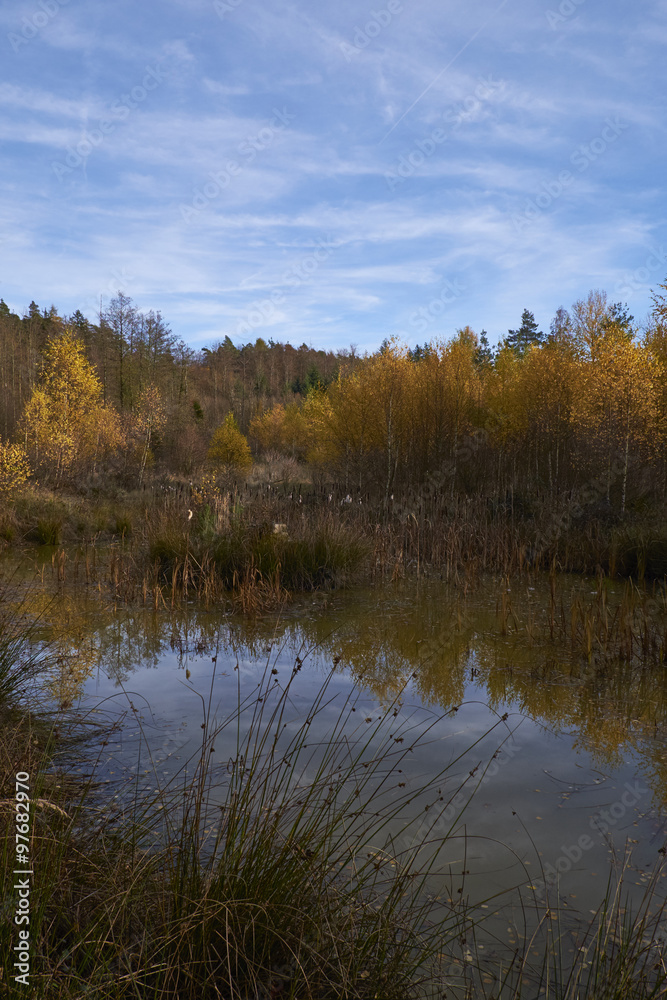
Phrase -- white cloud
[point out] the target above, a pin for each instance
(117, 217)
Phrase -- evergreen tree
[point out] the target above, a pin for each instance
(484, 353)
(527, 334)
(313, 379)
(618, 318)
(420, 353)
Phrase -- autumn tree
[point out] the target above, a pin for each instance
(229, 449)
(588, 322)
(656, 345)
(147, 420)
(560, 329)
(66, 427)
(614, 408)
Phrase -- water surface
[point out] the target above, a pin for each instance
(555, 761)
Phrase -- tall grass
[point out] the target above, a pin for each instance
(328, 536)
(276, 877)
(629, 627)
(259, 563)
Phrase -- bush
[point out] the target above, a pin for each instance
(229, 447)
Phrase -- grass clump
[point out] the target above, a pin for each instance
(258, 880)
(316, 558)
(255, 561)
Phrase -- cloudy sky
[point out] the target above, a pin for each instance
(332, 173)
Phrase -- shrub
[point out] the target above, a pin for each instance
(229, 448)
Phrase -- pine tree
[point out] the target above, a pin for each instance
(619, 319)
(484, 352)
(527, 335)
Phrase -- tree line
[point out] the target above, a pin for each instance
(582, 407)
(131, 350)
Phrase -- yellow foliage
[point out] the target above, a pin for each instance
(616, 404)
(591, 403)
(228, 446)
(288, 428)
(268, 428)
(207, 490)
(73, 640)
(14, 467)
(66, 425)
(148, 418)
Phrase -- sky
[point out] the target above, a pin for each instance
(332, 174)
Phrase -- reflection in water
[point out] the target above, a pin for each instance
(584, 738)
(452, 647)
(582, 762)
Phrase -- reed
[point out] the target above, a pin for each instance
(254, 558)
(629, 627)
(424, 532)
(260, 882)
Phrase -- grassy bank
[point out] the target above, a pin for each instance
(163, 545)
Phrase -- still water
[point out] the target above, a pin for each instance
(554, 762)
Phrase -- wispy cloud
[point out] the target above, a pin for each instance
(116, 217)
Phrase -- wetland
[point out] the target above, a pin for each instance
(513, 732)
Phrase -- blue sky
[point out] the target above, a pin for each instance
(332, 173)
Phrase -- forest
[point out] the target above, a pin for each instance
(545, 433)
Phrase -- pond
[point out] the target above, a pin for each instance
(553, 756)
